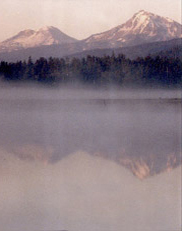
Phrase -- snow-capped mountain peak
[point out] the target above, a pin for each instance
(144, 21)
(143, 27)
(48, 35)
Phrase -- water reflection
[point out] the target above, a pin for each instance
(62, 156)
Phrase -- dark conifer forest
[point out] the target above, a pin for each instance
(98, 71)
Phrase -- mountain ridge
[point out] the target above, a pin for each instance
(132, 52)
(69, 50)
(143, 28)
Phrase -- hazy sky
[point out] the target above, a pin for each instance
(77, 18)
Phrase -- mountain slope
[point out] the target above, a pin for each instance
(31, 38)
(172, 48)
(141, 28)
(75, 50)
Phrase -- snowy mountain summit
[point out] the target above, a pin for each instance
(29, 38)
(143, 27)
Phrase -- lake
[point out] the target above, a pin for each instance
(84, 159)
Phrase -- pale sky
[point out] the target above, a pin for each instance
(77, 18)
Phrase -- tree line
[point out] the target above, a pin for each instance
(98, 71)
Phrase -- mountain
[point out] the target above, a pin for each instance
(139, 36)
(143, 27)
(30, 38)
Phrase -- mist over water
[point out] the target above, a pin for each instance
(60, 152)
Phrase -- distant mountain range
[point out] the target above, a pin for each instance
(171, 48)
(136, 34)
